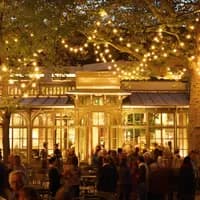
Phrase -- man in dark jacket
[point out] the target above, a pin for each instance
(107, 178)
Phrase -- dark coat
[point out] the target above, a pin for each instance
(186, 179)
(54, 180)
(107, 178)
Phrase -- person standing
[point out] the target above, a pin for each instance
(54, 177)
(17, 180)
(107, 178)
(44, 156)
(124, 180)
(186, 180)
(58, 155)
(4, 186)
(142, 178)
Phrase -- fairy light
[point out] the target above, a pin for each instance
(33, 85)
(109, 67)
(136, 50)
(182, 44)
(188, 36)
(128, 45)
(115, 31)
(98, 23)
(11, 81)
(191, 27)
(34, 63)
(23, 85)
(36, 69)
(4, 68)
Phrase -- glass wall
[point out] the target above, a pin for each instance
(52, 128)
(166, 129)
(18, 135)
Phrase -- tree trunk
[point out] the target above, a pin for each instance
(6, 143)
(194, 109)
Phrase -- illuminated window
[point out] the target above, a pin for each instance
(182, 119)
(182, 141)
(136, 136)
(98, 101)
(155, 118)
(155, 137)
(167, 119)
(136, 118)
(168, 138)
(98, 118)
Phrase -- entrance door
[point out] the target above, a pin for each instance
(98, 129)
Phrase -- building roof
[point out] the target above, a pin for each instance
(47, 101)
(99, 92)
(157, 99)
(141, 99)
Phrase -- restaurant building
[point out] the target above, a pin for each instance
(88, 108)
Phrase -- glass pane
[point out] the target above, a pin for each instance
(139, 118)
(98, 101)
(182, 119)
(167, 119)
(155, 137)
(182, 141)
(155, 118)
(17, 120)
(168, 138)
(98, 118)
(130, 119)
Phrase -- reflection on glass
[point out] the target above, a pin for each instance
(155, 137)
(155, 118)
(135, 137)
(136, 118)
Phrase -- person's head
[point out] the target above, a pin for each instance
(17, 180)
(17, 160)
(52, 160)
(28, 193)
(45, 144)
(140, 159)
(107, 159)
(56, 146)
(187, 160)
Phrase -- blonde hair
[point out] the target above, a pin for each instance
(18, 173)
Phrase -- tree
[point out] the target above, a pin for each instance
(27, 42)
(154, 39)
(160, 39)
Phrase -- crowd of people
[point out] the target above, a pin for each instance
(133, 174)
